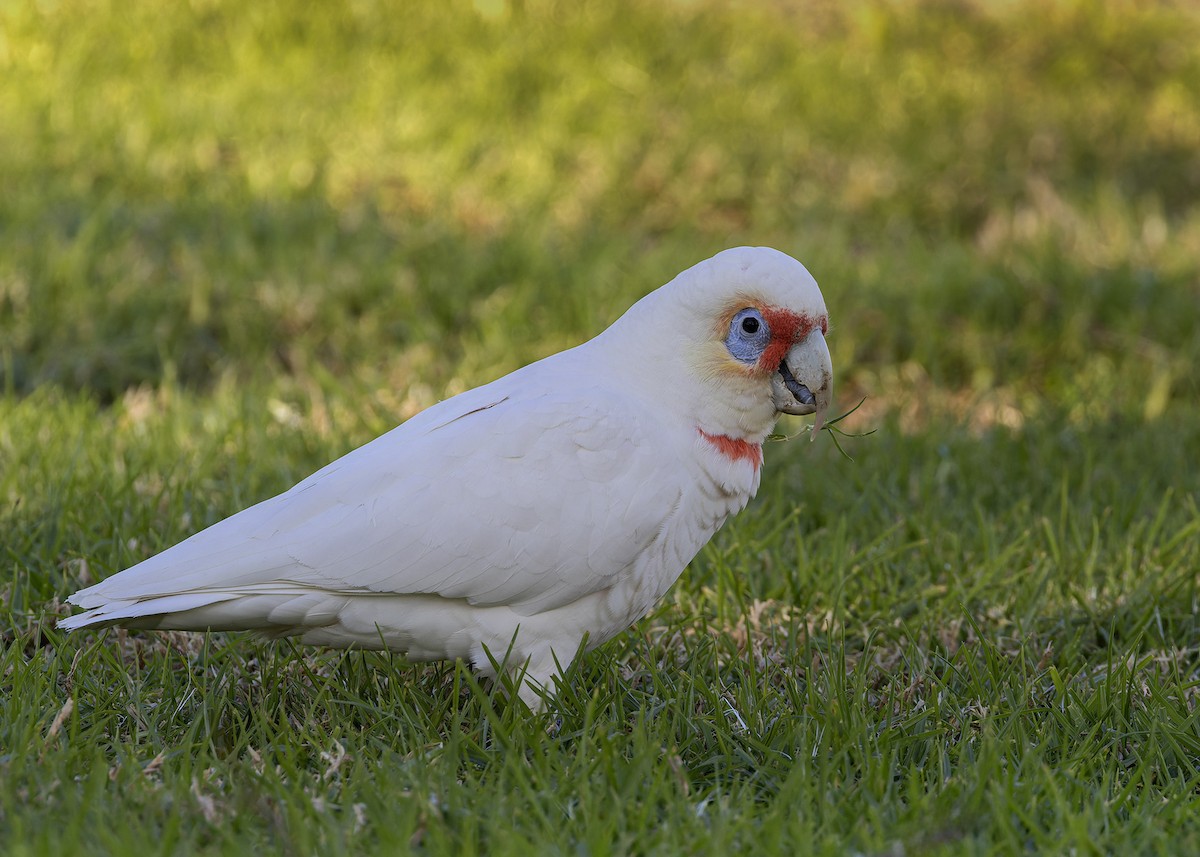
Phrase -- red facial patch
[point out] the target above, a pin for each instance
(787, 328)
(734, 450)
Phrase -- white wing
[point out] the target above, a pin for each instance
(531, 500)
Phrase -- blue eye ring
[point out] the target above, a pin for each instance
(749, 335)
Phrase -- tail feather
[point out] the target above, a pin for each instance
(266, 607)
(121, 612)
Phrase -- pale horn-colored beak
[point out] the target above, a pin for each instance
(804, 382)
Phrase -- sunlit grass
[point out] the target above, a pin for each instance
(238, 241)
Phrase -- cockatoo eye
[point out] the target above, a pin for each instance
(748, 335)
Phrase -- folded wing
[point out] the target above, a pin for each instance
(531, 501)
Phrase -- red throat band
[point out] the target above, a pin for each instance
(734, 450)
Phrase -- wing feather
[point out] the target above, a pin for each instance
(529, 500)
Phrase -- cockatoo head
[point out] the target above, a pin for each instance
(746, 334)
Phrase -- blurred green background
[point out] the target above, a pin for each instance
(238, 239)
(996, 197)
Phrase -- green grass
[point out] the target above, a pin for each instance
(238, 240)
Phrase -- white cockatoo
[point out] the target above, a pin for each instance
(519, 521)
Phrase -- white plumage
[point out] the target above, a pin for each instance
(554, 505)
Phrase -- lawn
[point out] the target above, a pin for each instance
(238, 240)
